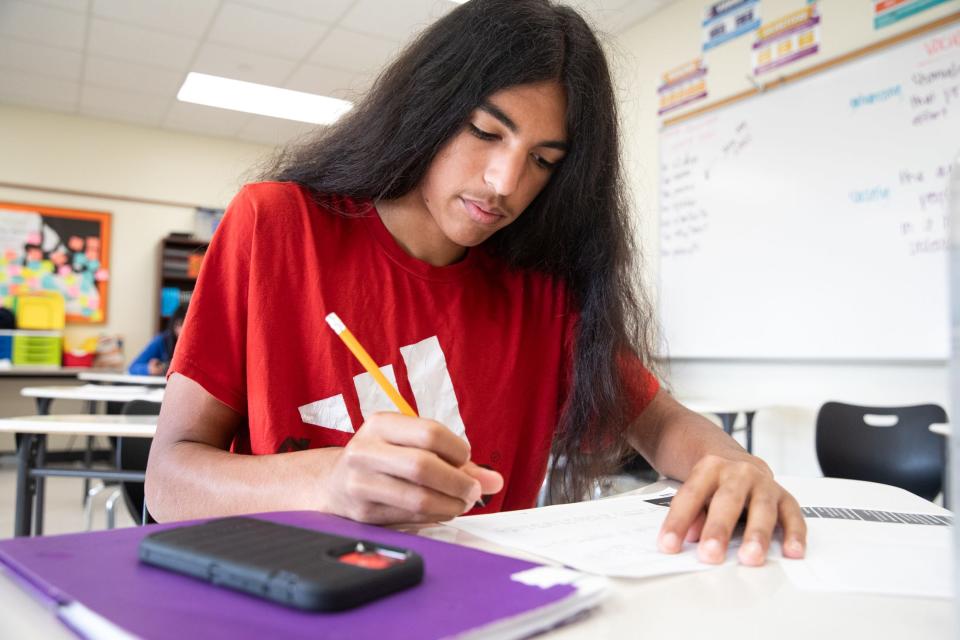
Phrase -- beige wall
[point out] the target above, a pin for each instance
(794, 391)
(56, 151)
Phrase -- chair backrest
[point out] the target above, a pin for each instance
(891, 445)
(132, 454)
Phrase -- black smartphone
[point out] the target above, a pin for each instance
(297, 567)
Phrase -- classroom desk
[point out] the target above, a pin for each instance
(91, 393)
(122, 378)
(730, 602)
(727, 412)
(41, 372)
(31, 467)
(739, 603)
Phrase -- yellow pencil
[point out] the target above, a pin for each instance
(361, 354)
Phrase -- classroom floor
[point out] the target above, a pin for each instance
(64, 504)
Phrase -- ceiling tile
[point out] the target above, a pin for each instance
(346, 49)
(42, 24)
(196, 118)
(131, 106)
(40, 59)
(264, 31)
(335, 83)
(186, 17)
(274, 131)
(326, 11)
(18, 87)
(242, 64)
(135, 44)
(395, 20)
(140, 50)
(107, 72)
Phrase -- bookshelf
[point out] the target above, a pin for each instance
(180, 258)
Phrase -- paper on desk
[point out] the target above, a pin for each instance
(612, 537)
(890, 557)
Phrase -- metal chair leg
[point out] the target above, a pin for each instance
(88, 505)
(87, 463)
(41, 484)
(111, 508)
(749, 415)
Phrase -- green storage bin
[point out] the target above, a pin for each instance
(37, 348)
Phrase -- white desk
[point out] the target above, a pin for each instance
(83, 424)
(40, 371)
(122, 378)
(90, 393)
(31, 463)
(743, 603)
(730, 602)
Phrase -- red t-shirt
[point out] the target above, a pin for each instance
(478, 346)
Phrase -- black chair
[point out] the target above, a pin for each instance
(890, 445)
(132, 455)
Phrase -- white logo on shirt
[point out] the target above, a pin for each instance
(428, 377)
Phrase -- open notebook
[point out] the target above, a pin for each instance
(101, 590)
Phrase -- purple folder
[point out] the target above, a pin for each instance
(463, 589)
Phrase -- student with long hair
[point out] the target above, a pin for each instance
(467, 221)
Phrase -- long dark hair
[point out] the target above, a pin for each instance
(577, 228)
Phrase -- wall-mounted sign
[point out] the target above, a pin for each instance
(886, 12)
(725, 20)
(787, 39)
(682, 85)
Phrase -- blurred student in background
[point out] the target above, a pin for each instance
(156, 356)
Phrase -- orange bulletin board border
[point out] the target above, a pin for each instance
(103, 273)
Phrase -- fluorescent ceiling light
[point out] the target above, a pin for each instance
(250, 97)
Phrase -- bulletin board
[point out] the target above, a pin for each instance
(53, 249)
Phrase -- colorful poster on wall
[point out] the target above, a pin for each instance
(724, 21)
(682, 85)
(62, 250)
(787, 39)
(886, 12)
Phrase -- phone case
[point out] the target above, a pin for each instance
(297, 567)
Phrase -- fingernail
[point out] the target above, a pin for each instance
(474, 494)
(669, 542)
(793, 548)
(751, 553)
(711, 551)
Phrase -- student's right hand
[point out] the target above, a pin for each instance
(402, 469)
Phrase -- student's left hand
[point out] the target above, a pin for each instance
(709, 504)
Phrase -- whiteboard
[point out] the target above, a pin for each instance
(809, 221)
